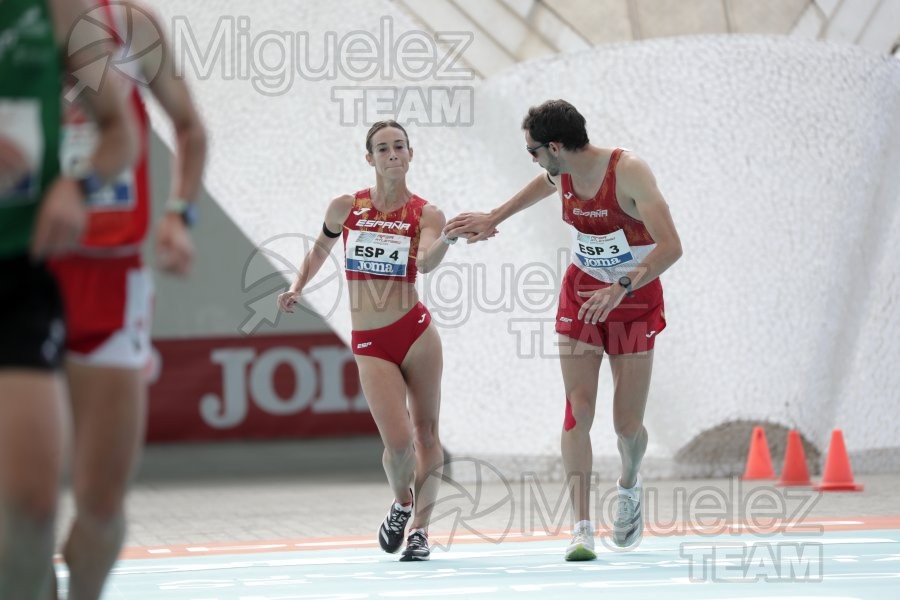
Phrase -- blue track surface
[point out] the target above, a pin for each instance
(847, 564)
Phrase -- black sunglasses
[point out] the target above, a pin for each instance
(533, 151)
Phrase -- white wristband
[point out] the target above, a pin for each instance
(448, 240)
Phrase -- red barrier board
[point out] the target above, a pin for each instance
(255, 387)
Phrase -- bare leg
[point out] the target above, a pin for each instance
(422, 369)
(32, 430)
(631, 375)
(580, 364)
(385, 391)
(108, 407)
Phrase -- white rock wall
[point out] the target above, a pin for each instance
(867, 398)
(772, 153)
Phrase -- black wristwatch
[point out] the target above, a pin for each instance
(625, 282)
(186, 210)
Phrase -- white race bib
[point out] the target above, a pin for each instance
(20, 123)
(385, 254)
(602, 251)
(78, 143)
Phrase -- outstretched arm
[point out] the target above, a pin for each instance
(432, 244)
(480, 226)
(318, 254)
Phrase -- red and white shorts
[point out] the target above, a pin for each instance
(392, 342)
(109, 308)
(630, 328)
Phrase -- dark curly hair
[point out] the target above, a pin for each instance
(556, 121)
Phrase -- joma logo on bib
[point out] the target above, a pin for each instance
(375, 267)
(602, 262)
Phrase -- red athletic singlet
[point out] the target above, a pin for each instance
(120, 212)
(609, 243)
(382, 245)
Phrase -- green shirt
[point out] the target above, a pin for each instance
(30, 113)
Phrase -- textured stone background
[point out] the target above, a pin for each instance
(778, 159)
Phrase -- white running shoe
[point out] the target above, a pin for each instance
(582, 546)
(628, 528)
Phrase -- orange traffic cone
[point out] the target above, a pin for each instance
(838, 476)
(759, 461)
(794, 471)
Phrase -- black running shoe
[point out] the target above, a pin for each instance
(390, 534)
(416, 547)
